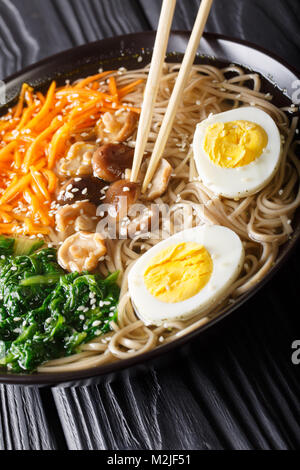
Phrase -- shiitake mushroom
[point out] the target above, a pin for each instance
(111, 160)
(87, 188)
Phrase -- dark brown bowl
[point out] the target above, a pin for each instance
(277, 76)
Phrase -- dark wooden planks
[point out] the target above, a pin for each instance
(268, 23)
(35, 29)
(241, 392)
(24, 424)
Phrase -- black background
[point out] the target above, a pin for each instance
(242, 390)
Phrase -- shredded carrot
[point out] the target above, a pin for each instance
(129, 88)
(6, 207)
(52, 179)
(6, 218)
(57, 143)
(45, 109)
(8, 229)
(33, 229)
(18, 159)
(37, 207)
(7, 152)
(40, 97)
(31, 152)
(20, 105)
(92, 78)
(112, 85)
(36, 133)
(15, 188)
(40, 182)
(26, 116)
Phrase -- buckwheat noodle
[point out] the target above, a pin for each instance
(263, 220)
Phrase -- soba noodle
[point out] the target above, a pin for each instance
(263, 220)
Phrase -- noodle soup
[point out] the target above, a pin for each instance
(66, 166)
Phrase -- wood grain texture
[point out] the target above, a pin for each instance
(273, 24)
(23, 421)
(241, 391)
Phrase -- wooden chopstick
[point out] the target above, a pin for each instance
(177, 93)
(152, 86)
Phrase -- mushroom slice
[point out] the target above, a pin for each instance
(76, 217)
(82, 252)
(78, 161)
(82, 189)
(117, 128)
(160, 181)
(122, 195)
(111, 160)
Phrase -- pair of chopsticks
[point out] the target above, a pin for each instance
(152, 86)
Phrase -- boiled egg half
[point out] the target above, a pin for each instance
(237, 152)
(185, 274)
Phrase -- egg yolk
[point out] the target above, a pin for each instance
(178, 272)
(235, 143)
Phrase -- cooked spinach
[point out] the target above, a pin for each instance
(44, 312)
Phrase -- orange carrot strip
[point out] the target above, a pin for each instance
(18, 159)
(9, 125)
(37, 207)
(38, 141)
(20, 105)
(83, 94)
(18, 217)
(52, 115)
(82, 117)
(52, 179)
(26, 116)
(37, 191)
(6, 207)
(14, 188)
(6, 217)
(33, 229)
(29, 96)
(40, 97)
(92, 78)
(56, 146)
(112, 85)
(129, 88)
(45, 109)
(18, 184)
(40, 182)
(79, 110)
(8, 228)
(6, 152)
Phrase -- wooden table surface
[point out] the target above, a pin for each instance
(240, 392)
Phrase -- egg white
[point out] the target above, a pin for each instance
(243, 181)
(227, 253)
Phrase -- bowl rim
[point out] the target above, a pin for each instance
(63, 378)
